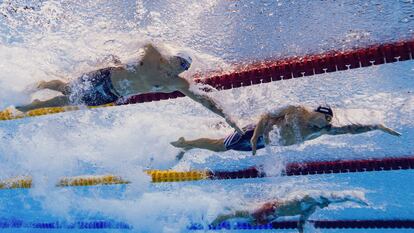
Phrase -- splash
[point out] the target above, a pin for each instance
(45, 40)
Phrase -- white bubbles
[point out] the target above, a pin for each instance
(62, 39)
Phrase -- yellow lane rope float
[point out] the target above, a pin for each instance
(27, 182)
(156, 175)
(176, 176)
(91, 180)
(16, 183)
(10, 115)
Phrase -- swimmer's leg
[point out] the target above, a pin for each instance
(55, 85)
(58, 101)
(216, 145)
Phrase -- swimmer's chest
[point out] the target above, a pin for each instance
(289, 209)
(295, 131)
(128, 83)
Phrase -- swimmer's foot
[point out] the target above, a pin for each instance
(29, 107)
(32, 88)
(13, 112)
(180, 143)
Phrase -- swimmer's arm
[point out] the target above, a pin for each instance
(357, 129)
(224, 217)
(303, 218)
(151, 57)
(264, 123)
(207, 102)
(258, 131)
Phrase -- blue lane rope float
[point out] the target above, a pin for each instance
(320, 224)
(111, 224)
(93, 224)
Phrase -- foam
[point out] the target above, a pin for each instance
(57, 40)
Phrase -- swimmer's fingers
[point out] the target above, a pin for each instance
(253, 142)
(363, 203)
(218, 220)
(180, 155)
(388, 130)
(267, 138)
(233, 124)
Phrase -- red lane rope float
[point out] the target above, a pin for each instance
(296, 67)
(321, 224)
(324, 167)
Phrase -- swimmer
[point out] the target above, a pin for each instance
(295, 124)
(303, 207)
(155, 72)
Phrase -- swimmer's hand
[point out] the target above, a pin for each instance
(253, 143)
(388, 130)
(233, 124)
(258, 131)
(180, 155)
(183, 86)
(218, 220)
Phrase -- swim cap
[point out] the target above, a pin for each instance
(185, 60)
(325, 110)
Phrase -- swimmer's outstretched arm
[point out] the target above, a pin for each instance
(237, 214)
(207, 102)
(357, 129)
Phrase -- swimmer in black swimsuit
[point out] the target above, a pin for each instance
(235, 141)
(295, 125)
(154, 72)
(300, 205)
(93, 89)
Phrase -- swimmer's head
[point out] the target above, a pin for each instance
(322, 117)
(183, 61)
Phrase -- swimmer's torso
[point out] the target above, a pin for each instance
(293, 128)
(154, 72)
(272, 210)
(132, 82)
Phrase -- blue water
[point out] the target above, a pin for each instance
(59, 39)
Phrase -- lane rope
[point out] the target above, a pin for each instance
(110, 224)
(90, 180)
(95, 224)
(10, 115)
(319, 224)
(268, 71)
(296, 67)
(291, 169)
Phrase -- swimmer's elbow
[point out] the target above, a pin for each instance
(149, 45)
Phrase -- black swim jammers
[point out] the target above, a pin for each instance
(93, 89)
(239, 142)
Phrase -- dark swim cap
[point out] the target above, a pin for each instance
(325, 110)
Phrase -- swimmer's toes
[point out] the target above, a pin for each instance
(179, 143)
